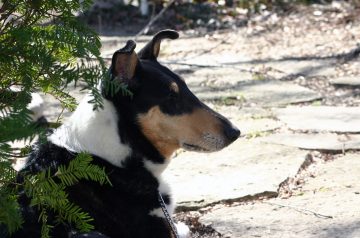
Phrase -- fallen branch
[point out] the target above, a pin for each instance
(302, 210)
(154, 19)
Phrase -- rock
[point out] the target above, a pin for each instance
(321, 118)
(339, 174)
(319, 141)
(243, 169)
(308, 68)
(252, 127)
(346, 81)
(255, 112)
(306, 216)
(266, 93)
(216, 77)
(205, 51)
(216, 59)
(251, 121)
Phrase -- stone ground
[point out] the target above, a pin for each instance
(291, 84)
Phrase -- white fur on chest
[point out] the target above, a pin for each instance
(182, 229)
(95, 132)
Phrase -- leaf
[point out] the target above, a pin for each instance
(9, 210)
(81, 168)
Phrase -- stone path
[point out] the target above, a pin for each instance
(328, 207)
(346, 81)
(305, 67)
(236, 191)
(231, 174)
(267, 93)
(318, 141)
(320, 118)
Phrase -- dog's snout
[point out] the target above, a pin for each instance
(232, 133)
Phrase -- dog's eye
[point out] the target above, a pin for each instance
(173, 95)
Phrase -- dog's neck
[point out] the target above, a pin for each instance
(96, 132)
(93, 131)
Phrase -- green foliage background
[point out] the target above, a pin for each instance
(43, 47)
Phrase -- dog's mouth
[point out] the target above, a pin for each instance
(207, 143)
(192, 147)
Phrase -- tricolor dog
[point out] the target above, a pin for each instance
(133, 138)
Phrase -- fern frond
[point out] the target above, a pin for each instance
(7, 173)
(47, 194)
(81, 168)
(44, 57)
(74, 214)
(17, 125)
(45, 227)
(9, 210)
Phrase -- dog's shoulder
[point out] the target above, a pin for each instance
(46, 155)
(131, 195)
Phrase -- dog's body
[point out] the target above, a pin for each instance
(133, 138)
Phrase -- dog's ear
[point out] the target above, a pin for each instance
(152, 48)
(124, 62)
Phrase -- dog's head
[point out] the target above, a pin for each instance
(167, 113)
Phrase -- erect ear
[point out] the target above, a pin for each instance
(152, 48)
(124, 62)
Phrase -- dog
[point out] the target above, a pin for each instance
(133, 137)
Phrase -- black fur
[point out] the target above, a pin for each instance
(119, 210)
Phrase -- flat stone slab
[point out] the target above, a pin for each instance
(244, 168)
(334, 192)
(319, 141)
(255, 112)
(216, 77)
(266, 93)
(346, 81)
(254, 127)
(321, 118)
(223, 58)
(340, 174)
(308, 68)
(250, 121)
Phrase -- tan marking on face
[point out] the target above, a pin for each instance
(168, 132)
(174, 87)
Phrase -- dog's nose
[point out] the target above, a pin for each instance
(232, 133)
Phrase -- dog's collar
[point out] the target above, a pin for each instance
(167, 216)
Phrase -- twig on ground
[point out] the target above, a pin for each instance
(154, 19)
(302, 210)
